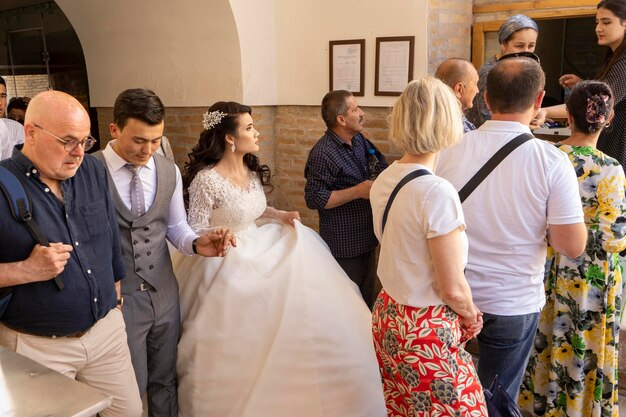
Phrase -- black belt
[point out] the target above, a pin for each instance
(72, 335)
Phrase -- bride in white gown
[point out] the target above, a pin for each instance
(275, 328)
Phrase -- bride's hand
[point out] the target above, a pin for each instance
(216, 242)
(289, 217)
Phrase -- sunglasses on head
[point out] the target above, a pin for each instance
(530, 55)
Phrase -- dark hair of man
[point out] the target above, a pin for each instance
(212, 144)
(20, 103)
(618, 8)
(140, 104)
(513, 85)
(3, 82)
(452, 71)
(590, 103)
(333, 105)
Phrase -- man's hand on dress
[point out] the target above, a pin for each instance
(216, 242)
(46, 262)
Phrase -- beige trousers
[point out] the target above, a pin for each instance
(100, 359)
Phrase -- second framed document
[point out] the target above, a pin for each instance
(394, 64)
(347, 65)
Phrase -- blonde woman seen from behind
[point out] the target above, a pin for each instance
(425, 311)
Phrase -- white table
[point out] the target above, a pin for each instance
(29, 389)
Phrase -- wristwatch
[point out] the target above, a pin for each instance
(120, 301)
(193, 246)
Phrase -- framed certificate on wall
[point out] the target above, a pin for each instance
(347, 65)
(394, 64)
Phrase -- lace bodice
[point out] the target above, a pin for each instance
(216, 201)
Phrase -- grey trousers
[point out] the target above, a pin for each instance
(153, 327)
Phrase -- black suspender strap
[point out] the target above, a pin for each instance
(411, 176)
(491, 164)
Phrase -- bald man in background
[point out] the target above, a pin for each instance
(76, 330)
(461, 76)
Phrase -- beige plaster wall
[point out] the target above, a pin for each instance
(187, 51)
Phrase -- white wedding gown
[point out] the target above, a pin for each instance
(275, 328)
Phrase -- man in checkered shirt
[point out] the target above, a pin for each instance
(338, 184)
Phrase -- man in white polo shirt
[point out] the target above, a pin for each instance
(527, 201)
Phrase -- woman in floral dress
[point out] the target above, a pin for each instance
(572, 370)
(425, 309)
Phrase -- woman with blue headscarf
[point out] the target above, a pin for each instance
(518, 34)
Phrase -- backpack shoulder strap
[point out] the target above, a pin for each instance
(20, 205)
(15, 194)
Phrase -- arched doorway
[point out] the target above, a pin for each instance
(39, 51)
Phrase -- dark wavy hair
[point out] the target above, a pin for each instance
(618, 8)
(590, 104)
(212, 144)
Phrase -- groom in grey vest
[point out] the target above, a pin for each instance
(147, 191)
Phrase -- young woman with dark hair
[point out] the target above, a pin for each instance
(274, 328)
(611, 32)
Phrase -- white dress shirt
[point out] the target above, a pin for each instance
(11, 134)
(178, 231)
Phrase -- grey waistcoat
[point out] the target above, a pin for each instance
(144, 248)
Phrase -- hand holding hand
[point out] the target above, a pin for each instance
(472, 325)
(46, 262)
(216, 242)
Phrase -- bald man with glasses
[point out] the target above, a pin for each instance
(73, 328)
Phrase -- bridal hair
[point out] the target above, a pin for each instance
(590, 104)
(426, 118)
(212, 145)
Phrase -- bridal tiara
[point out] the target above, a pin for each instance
(212, 119)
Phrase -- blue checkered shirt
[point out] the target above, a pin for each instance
(334, 165)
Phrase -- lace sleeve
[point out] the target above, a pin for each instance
(201, 202)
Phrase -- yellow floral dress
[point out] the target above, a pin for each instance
(572, 369)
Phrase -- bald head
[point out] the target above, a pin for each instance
(461, 76)
(53, 104)
(52, 120)
(454, 70)
(513, 85)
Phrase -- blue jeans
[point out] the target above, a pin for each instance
(505, 343)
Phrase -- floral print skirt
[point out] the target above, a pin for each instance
(425, 370)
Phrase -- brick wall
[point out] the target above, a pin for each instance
(449, 30)
(27, 85)
(287, 133)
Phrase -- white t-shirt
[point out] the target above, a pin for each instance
(508, 214)
(425, 207)
(11, 134)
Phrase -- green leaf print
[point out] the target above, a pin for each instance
(561, 401)
(583, 150)
(595, 276)
(597, 392)
(578, 346)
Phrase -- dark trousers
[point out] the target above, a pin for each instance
(362, 271)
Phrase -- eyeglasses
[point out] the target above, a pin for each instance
(70, 144)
